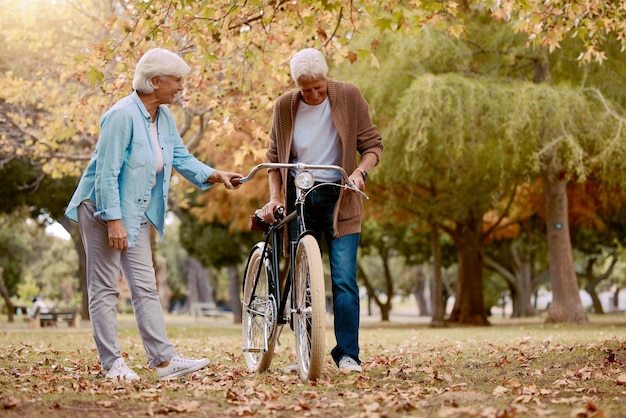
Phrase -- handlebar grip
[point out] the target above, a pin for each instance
(258, 224)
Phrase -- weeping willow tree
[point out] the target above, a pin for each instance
(574, 132)
(461, 146)
(449, 145)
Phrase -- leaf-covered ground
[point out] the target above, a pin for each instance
(511, 369)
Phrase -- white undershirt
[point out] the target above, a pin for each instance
(158, 154)
(157, 147)
(316, 140)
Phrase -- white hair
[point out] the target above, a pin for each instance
(308, 63)
(158, 62)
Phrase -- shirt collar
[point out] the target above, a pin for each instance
(140, 105)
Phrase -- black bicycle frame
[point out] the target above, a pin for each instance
(273, 236)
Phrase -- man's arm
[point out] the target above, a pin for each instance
(275, 182)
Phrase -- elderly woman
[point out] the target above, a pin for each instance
(123, 190)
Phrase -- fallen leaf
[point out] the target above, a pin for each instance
(565, 400)
(372, 407)
(499, 391)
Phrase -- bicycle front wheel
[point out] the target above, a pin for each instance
(310, 309)
(259, 312)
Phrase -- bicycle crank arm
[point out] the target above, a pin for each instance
(254, 350)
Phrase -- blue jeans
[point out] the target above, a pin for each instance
(319, 208)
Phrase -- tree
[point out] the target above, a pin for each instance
(521, 278)
(549, 24)
(238, 54)
(451, 156)
(597, 233)
(380, 241)
(14, 252)
(594, 278)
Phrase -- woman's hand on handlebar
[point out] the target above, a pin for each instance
(267, 212)
(229, 179)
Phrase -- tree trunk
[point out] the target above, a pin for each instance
(469, 306)
(385, 311)
(384, 307)
(590, 287)
(197, 283)
(594, 280)
(234, 290)
(524, 288)
(566, 306)
(418, 291)
(519, 277)
(521, 294)
(5, 295)
(437, 297)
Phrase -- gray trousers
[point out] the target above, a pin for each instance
(104, 265)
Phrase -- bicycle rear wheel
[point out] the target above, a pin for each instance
(310, 309)
(259, 312)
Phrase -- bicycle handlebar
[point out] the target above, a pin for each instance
(301, 166)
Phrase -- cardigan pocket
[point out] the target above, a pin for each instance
(350, 206)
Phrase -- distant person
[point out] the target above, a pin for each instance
(40, 305)
(326, 122)
(123, 190)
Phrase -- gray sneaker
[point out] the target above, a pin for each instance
(348, 364)
(120, 371)
(180, 367)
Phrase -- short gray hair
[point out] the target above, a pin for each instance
(158, 62)
(308, 63)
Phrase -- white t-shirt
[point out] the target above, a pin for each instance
(158, 154)
(316, 140)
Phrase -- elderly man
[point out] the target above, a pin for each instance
(324, 122)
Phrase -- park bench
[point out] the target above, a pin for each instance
(52, 317)
(204, 309)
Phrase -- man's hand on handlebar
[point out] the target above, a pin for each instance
(267, 212)
(357, 179)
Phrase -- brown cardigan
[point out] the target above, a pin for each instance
(350, 114)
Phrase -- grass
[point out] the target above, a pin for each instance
(520, 368)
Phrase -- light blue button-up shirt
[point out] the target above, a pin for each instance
(120, 176)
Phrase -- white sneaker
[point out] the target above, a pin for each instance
(292, 368)
(179, 367)
(348, 364)
(120, 371)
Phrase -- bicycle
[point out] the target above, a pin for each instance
(266, 306)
